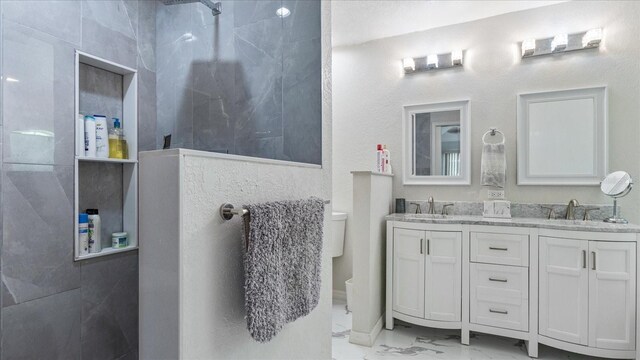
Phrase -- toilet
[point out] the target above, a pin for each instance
(338, 222)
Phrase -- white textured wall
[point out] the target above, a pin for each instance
(370, 90)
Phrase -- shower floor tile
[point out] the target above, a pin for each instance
(409, 341)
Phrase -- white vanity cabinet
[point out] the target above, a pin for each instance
(588, 292)
(569, 285)
(427, 275)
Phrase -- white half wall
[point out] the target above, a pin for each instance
(370, 89)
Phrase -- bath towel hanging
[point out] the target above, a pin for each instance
(282, 263)
(493, 166)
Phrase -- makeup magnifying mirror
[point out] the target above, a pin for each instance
(616, 185)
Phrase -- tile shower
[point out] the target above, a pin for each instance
(246, 82)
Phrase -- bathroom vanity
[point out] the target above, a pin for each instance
(567, 284)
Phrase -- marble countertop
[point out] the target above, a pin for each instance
(575, 225)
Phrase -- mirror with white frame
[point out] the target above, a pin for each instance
(436, 144)
(562, 137)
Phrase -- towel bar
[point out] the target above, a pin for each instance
(227, 211)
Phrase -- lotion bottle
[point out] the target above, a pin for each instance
(89, 136)
(95, 238)
(102, 137)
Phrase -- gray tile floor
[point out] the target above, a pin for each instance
(408, 341)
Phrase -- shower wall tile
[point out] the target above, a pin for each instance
(47, 328)
(58, 18)
(173, 22)
(147, 35)
(258, 91)
(107, 43)
(302, 101)
(100, 92)
(110, 307)
(39, 105)
(146, 110)
(213, 123)
(304, 24)
(183, 135)
(116, 15)
(252, 11)
(37, 253)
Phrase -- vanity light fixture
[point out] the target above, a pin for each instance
(592, 38)
(528, 47)
(562, 43)
(432, 61)
(408, 64)
(559, 42)
(456, 58)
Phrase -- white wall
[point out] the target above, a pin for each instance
(370, 90)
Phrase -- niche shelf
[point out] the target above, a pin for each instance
(109, 185)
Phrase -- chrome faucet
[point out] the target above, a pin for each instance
(571, 207)
(431, 209)
(418, 211)
(444, 208)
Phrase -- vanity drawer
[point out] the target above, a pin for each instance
(496, 248)
(499, 296)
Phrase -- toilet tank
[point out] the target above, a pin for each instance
(338, 222)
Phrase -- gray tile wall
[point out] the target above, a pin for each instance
(52, 307)
(245, 82)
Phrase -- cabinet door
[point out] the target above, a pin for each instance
(443, 274)
(408, 272)
(612, 295)
(564, 289)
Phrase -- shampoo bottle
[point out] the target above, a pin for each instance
(95, 240)
(83, 234)
(80, 135)
(89, 136)
(102, 139)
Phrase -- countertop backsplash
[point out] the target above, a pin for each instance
(518, 210)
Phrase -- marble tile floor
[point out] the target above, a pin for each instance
(409, 341)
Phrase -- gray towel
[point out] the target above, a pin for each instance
(493, 165)
(282, 263)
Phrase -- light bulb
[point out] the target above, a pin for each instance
(408, 64)
(456, 57)
(528, 47)
(559, 42)
(592, 38)
(432, 61)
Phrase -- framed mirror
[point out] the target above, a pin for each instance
(436, 140)
(562, 137)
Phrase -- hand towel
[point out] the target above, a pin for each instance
(493, 165)
(282, 263)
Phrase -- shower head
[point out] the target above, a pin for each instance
(216, 7)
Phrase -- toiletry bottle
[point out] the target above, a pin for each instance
(89, 136)
(379, 159)
(387, 160)
(102, 142)
(80, 135)
(119, 240)
(115, 140)
(83, 234)
(95, 241)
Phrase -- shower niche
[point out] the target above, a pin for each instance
(107, 184)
